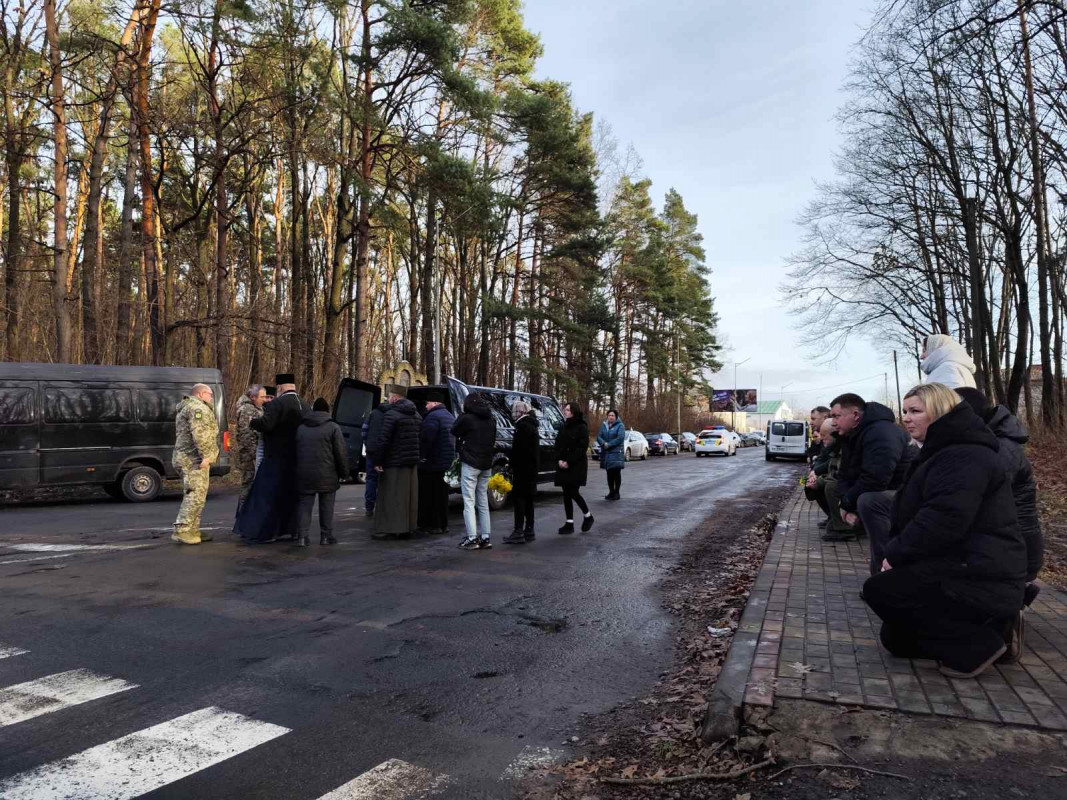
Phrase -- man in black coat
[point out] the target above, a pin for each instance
(874, 458)
(955, 565)
(436, 454)
(321, 465)
(1012, 435)
(525, 465)
(372, 429)
(271, 508)
(395, 454)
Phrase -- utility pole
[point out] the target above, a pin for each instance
(733, 399)
(896, 372)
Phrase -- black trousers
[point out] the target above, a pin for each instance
(818, 494)
(433, 500)
(522, 497)
(304, 507)
(920, 621)
(614, 480)
(876, 514)
(572, 495)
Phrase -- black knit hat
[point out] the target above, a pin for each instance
(284, 377)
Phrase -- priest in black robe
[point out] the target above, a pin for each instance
(269, 513)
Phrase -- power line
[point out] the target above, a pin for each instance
(838, 385)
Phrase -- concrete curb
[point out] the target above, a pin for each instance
(723, 718)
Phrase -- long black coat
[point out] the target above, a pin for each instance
(279, 423)
(1012, 436)
(397, 443)
(526, 452)
(572, 444)
(321, 455)
(954, 520)
(874, 456)
(437, 451)
(475, 433)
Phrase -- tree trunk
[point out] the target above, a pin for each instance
(60, 295)
(429, 326)
(123, 327)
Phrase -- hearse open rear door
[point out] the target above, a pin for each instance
(354, 401)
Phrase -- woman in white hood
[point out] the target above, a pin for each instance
(946, 362)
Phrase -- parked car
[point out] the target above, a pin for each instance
(738, 444)
(355, 399)
(786, 440)
(636, 446)
(757, 439)
(687, 441)
(65, 424)
(662, 444)
(713, 441)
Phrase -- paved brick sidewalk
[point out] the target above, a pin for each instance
(818, 640)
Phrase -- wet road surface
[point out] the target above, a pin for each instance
(129, 665)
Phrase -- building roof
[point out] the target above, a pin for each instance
(768, 406)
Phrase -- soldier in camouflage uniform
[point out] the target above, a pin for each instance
(250, 408)
(195, 447)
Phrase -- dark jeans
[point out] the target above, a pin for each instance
(370, 491)
(433, 500)
(614, 480)
(818, 494)
(572, 495)
(920, 621)
(833, 502)
(876, 513)
(522, 496)
(304, 507)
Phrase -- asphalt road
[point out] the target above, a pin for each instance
(393, 669)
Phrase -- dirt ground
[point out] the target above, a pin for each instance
(821, 746)
(1046, 454)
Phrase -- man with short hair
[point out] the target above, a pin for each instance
(271, 392)
(873, 459)
(437, 451)
(823, 468)
(817, 417)
(249, 408)
(196, 445)
(321, 465)
(270, 512)
(395, 451)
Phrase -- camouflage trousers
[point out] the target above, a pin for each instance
(248, 474)
(194, 488)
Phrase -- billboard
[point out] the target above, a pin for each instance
(734, 400)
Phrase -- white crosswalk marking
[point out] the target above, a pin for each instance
(144, 761)
(8, 652)
(391, 780)
(25, 701)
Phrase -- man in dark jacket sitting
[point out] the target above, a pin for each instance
(436, 454)
(874, 458)
(395, 452)
(321, 465)
(1012, 435)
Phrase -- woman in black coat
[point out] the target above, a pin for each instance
(572, 444)
(525, 464)
(955, 564)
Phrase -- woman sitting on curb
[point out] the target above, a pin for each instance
(955, 564)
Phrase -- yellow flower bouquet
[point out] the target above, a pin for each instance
(498, 483)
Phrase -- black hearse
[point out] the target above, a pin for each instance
(355, 399)
(64, 424)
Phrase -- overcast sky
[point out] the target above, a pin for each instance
(733, 105)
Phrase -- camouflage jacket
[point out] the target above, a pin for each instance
(197, 431)
(247, 438)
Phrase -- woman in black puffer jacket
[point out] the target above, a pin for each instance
(572, 467)
(956, 563)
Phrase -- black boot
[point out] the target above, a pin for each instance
(587, 523)
(515, 537)
(327, 539)
(529, 535)
(568, 528)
